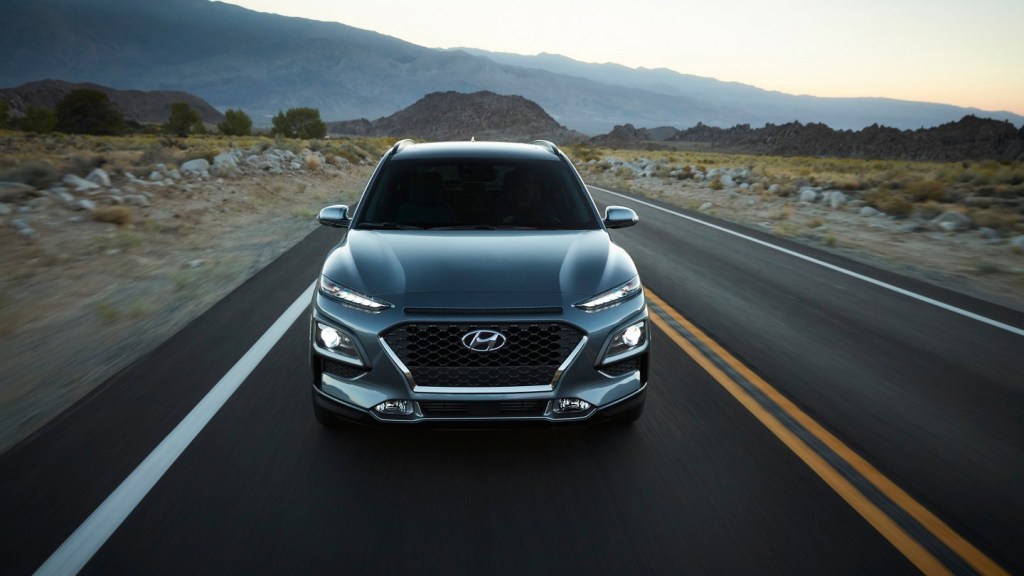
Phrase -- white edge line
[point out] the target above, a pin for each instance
(80, 547)
(868, 279)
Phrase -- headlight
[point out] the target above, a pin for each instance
(338, 342)
(626, 342)
(351, 297)
(612, 297)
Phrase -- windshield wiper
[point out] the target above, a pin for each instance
(387, 226)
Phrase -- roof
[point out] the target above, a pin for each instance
(473, 149)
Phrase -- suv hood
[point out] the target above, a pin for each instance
(473, 268)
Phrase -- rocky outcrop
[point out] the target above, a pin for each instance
(970, 138)
(459, 116)
(136, 105)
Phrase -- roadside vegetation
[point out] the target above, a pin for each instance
(990, 193)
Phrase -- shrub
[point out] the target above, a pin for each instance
(183, 120)
(236, 123)
(5, 114)
(922, 190)
(38, 120)
(87, 111)
(892, 203)
(41, 175)
(302, 123)
(119, 215)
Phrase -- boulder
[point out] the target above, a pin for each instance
(197, 167)
(225, 165)
(952, 222)
(78, 183)
(809, 195)
(836, 199)
(99, 177)
(869, 211)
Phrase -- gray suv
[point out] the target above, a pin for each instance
(474, 282)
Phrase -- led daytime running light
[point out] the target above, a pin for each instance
(613, 296)
(350, 296)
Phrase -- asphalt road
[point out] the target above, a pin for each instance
(931, 398)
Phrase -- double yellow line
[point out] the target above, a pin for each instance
(745, 386)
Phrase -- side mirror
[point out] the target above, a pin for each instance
(619, 217)
(336, 216)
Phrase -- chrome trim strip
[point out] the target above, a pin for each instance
(481, 389)
(398, 363)
(568, 361)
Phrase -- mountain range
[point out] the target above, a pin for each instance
(263, 63)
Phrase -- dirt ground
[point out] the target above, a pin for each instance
(81, 299)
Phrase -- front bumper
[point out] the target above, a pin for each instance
(594, 390)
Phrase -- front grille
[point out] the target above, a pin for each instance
(478, 409)
(484, 311)
(435, 355)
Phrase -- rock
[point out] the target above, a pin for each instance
(835, 199)
(115, 199)
(727, 181)
(38, 203)
(156, 176)
(99, 177)
(869, 211)
(197, 167)
(23, 227)
(4, 209)
(16, 191)
(137, 200)
(809, 195)
(79, 184)
(174, 174)
(62, 195)
(705, 207)
(988, 233)
(84, 204)
(1017, 242)
(225, 165)
(774, 189)
(952, 222)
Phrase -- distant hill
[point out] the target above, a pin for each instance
(456, 116)
(143, 107)
(264, 63)
(970, 138)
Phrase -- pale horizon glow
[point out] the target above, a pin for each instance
(943, 51)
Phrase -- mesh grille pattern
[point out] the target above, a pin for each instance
(516, 408)
(436, 356)
(623, 367)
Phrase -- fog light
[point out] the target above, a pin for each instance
(631, 337)
(567, 405)
(329, 336)
(395, 407)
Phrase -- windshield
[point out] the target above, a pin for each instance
(477, 194)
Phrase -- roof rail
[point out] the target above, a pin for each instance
(546, 144)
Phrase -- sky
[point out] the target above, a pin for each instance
(963, 52)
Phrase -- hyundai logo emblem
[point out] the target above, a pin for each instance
(483, 340)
